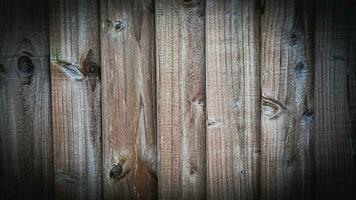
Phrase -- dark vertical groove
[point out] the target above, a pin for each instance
(100, 20)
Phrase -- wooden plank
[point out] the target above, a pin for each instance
(25, 130)
(129, 132)
(75, 73)
(287, 99)
(334, 96)
(181, 99)
(233, 99)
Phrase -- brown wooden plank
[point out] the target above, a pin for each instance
(26, 167)
(287, 99)
(129, 132)
(74, 41)
(334, 94)
(233, 99)
(181, 99)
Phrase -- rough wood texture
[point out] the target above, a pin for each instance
(287, 99)
(334, 94)
(25, 132)
(233, 99)
(74, 34)
(129, 132)
(181, 99)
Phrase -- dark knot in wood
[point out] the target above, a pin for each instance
(116, 171)
(25, 66)
(294, 38)
(190, 3)
(92, 69)
(118, 25)
(271, 108)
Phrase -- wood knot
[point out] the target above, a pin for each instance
(92, 69)
(25, 66)
(294, 38)
(89, 65)
(212, 122)
(115, 171)
(271, 108)
(300, 68)
(117, 25)
(190, 3)
(308, 116)
(72, 72)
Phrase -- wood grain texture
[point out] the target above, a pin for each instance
(76, 109)
(181, 99)
(25, 130)
(287, 99)
(334, 92)
(129, 118)
(233, 99)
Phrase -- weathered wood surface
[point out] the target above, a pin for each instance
(334, 100)
(76, 112)
(287, 99)
(129, 115)
(25, 121)
(199, 99)
(233, 99)
(180, 99)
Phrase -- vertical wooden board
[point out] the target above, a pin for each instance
(76, 109)
(25, 131)
(129, 126)
(181, 99)
(334, 90)
(233, 99)
(351, 91)
(287, 99)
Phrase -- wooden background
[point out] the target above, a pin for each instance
(178, 99)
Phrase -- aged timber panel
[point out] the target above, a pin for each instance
(287, 99)
(180, 99)
(76, 112)
(233, 99)
(128, 74)
(25, 130)
(334, 100)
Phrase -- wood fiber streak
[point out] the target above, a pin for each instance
(233, 99)
(25, 131)
(287, 99)
(129, 116)
(76, 112)
(335, 100)
(181, 99)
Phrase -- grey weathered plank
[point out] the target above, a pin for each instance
(334, 100)
(128, 74)
(180, 99)
(233, 99)
(287, 99)
(25, 129)
(76, 112)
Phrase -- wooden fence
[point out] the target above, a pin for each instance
(177, 99)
